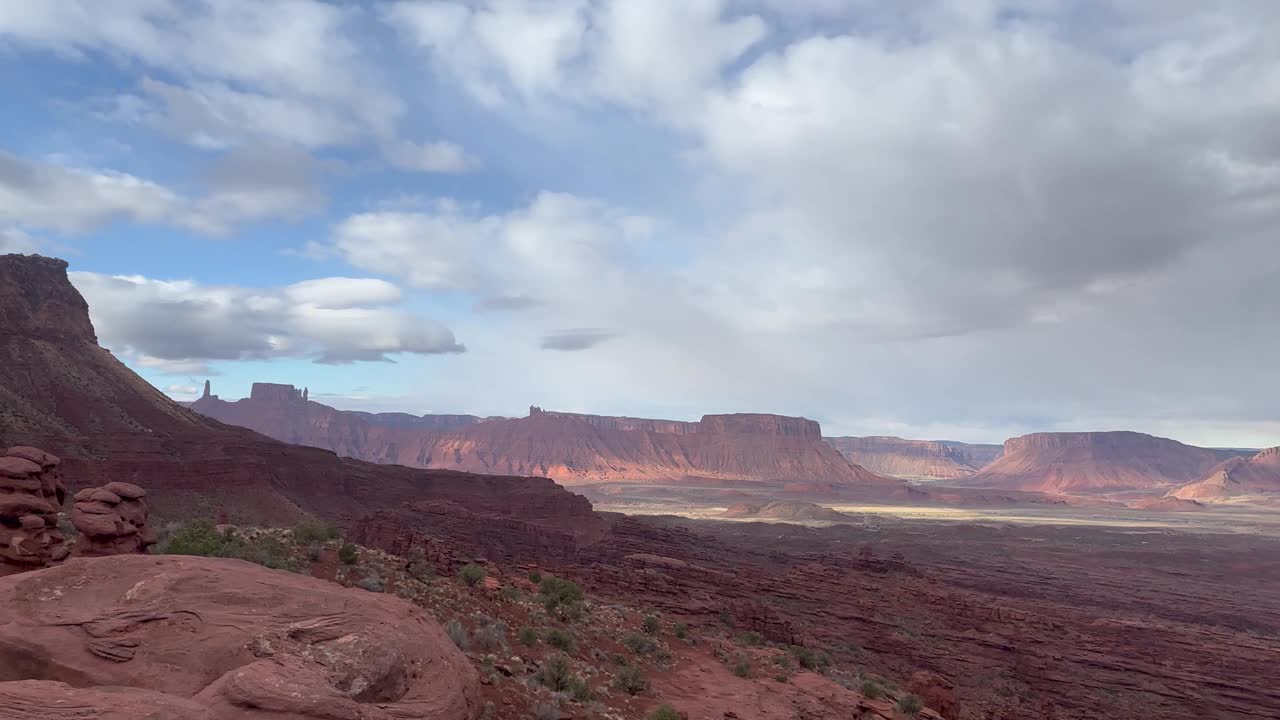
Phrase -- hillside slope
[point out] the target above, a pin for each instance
(60, 391)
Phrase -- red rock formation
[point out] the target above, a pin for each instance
(1237, 477)
(45, 700)
(112, 520)
(568, 447)
(937, 692)
(910, 459)
(1090, 462)
(31, 496)
(60, 390)
(235, 639)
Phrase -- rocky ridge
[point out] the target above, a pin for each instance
(568, 447)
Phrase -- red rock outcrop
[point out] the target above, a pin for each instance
(568, 447)
(909, 459)
(45, 700)
(235, 639)
(1092, 462)
(31, 496)
(111, 520)
(60, 390)
(1237, 477)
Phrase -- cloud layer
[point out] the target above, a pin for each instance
(965, 218)
(176, 326)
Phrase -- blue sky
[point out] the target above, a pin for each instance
(960, 220)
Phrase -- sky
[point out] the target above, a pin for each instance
(958, 220)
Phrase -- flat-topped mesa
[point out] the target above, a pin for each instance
(761, 424)
(610, 422)
(1116, 439)
(37, 302)
(273, 392)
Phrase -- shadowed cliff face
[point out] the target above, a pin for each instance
(1098, 461)
(60, 391)
(569, 447)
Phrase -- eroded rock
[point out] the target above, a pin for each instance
(111, 520)
(31, 496)
(224, 640)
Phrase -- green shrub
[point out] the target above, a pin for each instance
(510, 593)
(472, 574)
(664, 712)
(740, 666)
(555, 673)
(197, 537)
(631, 681)
(528, 636)
(561, 639)
(348, 554)
(726, 618)
(266, 551)
(639, 644)
(458, 634)
(910, 704)
(810, 660)
(492, 636)
(562, 598)
(314, 531)
(781, 678)
(651, 625)
(372, 583)
(419, 568)
(535, 577)
(750, 639)
(682, 630)
(872, 689)
(579, 690)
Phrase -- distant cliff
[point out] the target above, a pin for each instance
(910, 459)
(568, 447)
(1094, 461)
(1236, 477)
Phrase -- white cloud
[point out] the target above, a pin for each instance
(436, 157)
(530, 251)
(70, 200)
(250, 183)
(174, 326)
(292, 71)
(14, 240)
(660, 53)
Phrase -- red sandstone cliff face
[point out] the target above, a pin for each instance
(1239, 476)
(910, 459)
(61, 392)
(571, 448)
(1099, 461)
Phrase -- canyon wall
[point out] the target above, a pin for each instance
(571, 448)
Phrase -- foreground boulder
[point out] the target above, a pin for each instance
(31, 496)
(234, 639)
(111, 520)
